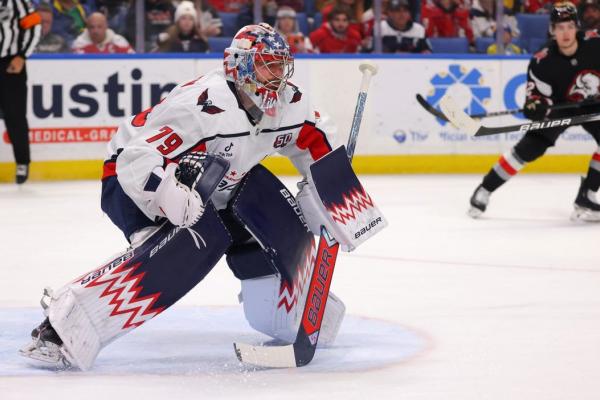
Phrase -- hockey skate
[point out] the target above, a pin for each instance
(586, 207)
(46, 347)
(479, 201)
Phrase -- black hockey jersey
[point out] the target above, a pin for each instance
(563, 78)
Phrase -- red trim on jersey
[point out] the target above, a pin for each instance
(596, 157)
(506, 166)
(110, 169)
(199, 147)
(313, 139)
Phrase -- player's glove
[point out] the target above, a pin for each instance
(181, 204)
(536, 108)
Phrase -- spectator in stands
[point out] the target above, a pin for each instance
(234, 6)
(98, 38)
(159, 16)
(287, 26)
(446, 18)
(367, 23)
(296, 5)
(590, 15)
(400, 34)
(483, 19)
(336, 35)
(537, 6)
(184, 36)
(116, 13)
(49, 42)
(246, 14)
(208, 19)
(356, 8)
(69, 19)
(509, 47)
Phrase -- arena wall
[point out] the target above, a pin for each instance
(76, 103)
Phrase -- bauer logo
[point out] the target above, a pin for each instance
(542, 125)
(462, 83)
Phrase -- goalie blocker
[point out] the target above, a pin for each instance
(334, 197)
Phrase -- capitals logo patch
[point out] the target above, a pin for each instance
(207, 105)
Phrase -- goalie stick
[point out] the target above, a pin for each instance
(464, 122)
(438, 114)
(302, 351)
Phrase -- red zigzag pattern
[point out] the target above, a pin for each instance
(358, 201)
(288, 295)
(125, 287)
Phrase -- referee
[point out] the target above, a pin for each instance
(19, 33)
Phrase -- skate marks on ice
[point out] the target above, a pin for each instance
(198, 340)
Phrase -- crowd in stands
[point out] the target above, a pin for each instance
(310, 26)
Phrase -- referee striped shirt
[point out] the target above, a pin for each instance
(20, 28)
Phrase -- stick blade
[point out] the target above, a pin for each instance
(265, 356)
(457, 116)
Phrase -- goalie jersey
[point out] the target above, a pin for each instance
(207, 115)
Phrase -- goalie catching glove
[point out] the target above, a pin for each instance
(175, 196)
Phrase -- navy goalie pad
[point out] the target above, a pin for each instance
(276, 266)
(270, 213)
(139, 284)
(335, 198)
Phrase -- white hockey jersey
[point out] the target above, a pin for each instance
(206, 115)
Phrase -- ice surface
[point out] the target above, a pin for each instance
(506, 307)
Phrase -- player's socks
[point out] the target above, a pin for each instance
(507, 166)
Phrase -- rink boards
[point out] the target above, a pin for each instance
(75, 104)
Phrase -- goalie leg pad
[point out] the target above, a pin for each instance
(271, 215)
(139, 284)
(272, 309)
(276, 267)
(335, 198)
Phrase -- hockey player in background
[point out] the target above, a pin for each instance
(567, 70)
(183, 182)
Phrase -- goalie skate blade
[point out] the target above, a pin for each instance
(458, 117)
(263, 356)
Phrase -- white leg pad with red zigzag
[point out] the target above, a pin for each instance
(271, 309)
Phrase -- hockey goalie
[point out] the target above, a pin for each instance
(183, 182)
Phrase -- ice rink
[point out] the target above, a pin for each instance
(439, 306)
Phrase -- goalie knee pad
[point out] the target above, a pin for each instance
(272, 308)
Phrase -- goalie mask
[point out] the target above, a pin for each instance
(259, 63)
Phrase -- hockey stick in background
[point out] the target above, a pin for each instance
(439, 114)
(302, 351)
(465, 122)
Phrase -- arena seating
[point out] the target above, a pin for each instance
(218, 44)
(449, 45)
